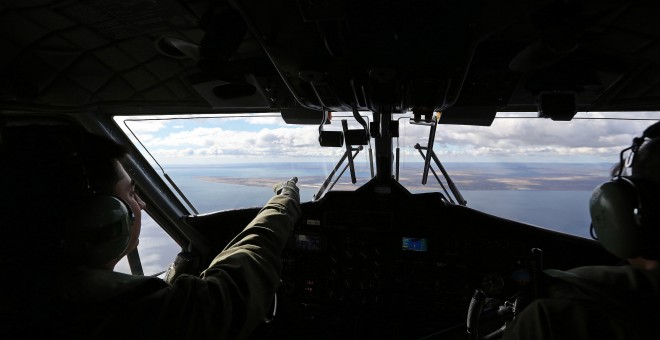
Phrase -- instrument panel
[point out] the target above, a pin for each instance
(405, 267)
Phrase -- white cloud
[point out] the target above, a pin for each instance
(508, 139)
(514, 139)
(215, 141)
(265, 121)
(146, 137)
(147, 126)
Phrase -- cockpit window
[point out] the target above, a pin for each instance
(524, 168)
(232, 161)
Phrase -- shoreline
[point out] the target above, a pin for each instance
(576, 183)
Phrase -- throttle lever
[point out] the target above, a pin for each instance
(537, 269)
(474, 313)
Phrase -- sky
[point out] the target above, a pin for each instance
(157, 250)
(257, 138)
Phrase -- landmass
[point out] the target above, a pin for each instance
(502, 179)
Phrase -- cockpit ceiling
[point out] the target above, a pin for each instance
(461, 57)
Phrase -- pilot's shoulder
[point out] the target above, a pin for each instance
(624, 276)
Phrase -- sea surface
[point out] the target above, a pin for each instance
(551, 196)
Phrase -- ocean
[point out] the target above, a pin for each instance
(551, 196)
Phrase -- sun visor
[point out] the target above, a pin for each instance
(468, 115)
(303, 116)
(247, 93)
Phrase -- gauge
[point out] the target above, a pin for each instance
(311, 242)
(492, 284)
(414, 244)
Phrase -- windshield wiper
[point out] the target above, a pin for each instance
(348, 154)
(350, 138)
(430, 154)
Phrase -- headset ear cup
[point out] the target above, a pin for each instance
(649, 217)
(613, 207)
(99, 230)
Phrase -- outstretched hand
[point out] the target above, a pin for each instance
(288, 188)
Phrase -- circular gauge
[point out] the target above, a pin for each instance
(492, 284)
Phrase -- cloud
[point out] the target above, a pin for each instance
(508, 139)
(203, 142)
(147, 126)
(533, 137)
(265, 121)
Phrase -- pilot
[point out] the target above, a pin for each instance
(73, 212)
(610, 302)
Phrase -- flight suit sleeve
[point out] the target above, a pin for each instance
(588, 303)
(252, 262)
(546, 319)
(537, 321)
(236, 291)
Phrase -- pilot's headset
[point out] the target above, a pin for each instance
(98, 226)
(625, 212)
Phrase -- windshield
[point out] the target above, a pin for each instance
(528, 169)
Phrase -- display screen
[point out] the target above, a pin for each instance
(308, 242)
(414, 244)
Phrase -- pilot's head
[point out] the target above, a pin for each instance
(66, 197)
(646, 163)
(625, 212)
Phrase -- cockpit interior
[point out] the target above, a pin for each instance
(380, 260)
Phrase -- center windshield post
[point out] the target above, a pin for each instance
(383, 142)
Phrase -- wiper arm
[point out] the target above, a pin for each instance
(429, 147)
(419, 148)
(348, 154)
(450, 183)
(350, 138)
(366, 136)
(430, 154)
(349, 151)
